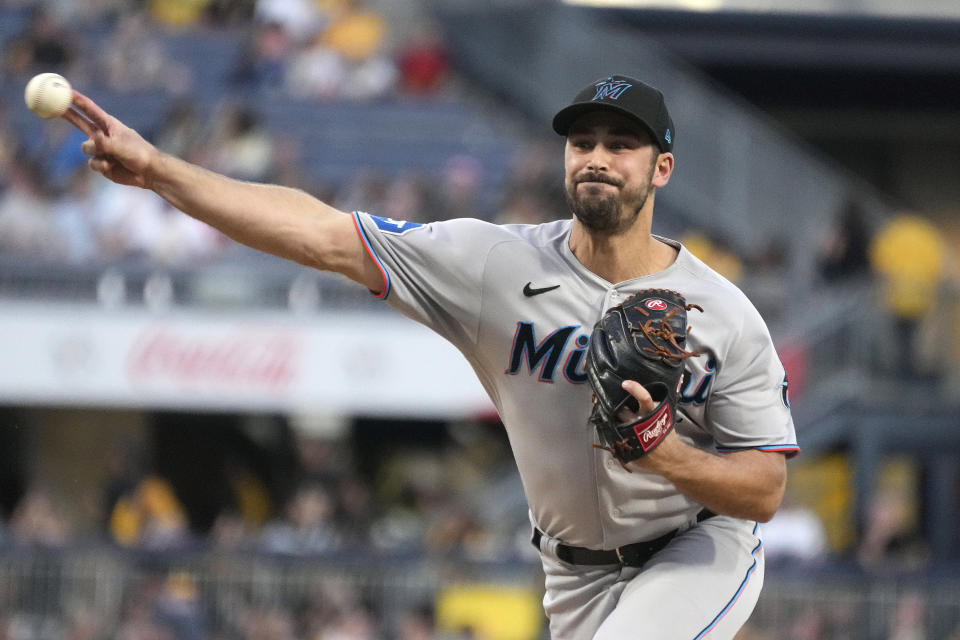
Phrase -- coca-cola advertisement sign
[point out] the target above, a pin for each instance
(239, 360)
(289, 363)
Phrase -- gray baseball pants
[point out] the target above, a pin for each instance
(703, 585)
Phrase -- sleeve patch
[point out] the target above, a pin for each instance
(396, 227)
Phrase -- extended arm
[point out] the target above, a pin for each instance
(746, 484)
(279, 220)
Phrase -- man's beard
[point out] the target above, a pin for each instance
(603, 213)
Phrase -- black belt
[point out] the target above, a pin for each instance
(630, 555)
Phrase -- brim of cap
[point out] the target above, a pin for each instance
(566, 116)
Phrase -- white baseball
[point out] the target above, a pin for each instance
(48, 95)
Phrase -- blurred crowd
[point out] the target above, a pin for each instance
(325, 49)
(911, 260)
(53, 208)
(460, 500)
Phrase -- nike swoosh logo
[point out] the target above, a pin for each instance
(530, 291)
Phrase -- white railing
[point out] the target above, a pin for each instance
(48, 589)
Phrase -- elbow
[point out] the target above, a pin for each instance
(760, 510)
(331, 243)
(765, 512)
(769, 503)
(774, 486)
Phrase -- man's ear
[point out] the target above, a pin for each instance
(662, 170)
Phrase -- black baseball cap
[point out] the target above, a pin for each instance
(625, 95)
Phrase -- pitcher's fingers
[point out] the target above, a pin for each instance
(100, 164)
(90, 108)
(89, 148)
(78, 120)
(643, 397)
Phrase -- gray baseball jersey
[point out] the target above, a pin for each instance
(520, 307)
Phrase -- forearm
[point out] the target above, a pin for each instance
(279, 220)
(285, 222)
(745, 484)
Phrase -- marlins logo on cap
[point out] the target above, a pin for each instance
(627, 96)
(611, 89)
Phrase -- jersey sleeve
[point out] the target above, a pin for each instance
(432, 272)
(749, 407)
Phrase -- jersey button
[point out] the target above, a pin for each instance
(615, 511)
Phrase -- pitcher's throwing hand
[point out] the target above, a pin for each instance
(116, 151)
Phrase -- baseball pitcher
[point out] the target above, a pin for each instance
(641, 392)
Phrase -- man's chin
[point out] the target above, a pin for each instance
(597, 196)
(600, 221)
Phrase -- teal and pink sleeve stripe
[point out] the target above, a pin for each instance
(789, 449)
(385, 290)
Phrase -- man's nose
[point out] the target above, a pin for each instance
(599, 159)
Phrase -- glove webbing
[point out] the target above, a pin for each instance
(665, 333)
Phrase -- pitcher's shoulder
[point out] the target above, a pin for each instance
(700, 284)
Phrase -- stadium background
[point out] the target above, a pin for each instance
(198, 441)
